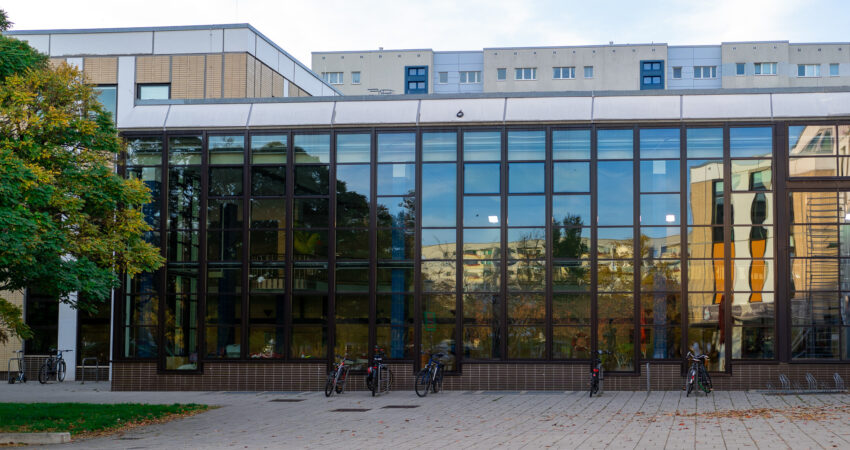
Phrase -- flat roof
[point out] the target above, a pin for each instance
(226, 26)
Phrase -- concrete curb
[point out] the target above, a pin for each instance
(35, 438)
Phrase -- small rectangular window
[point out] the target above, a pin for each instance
(677, 73)
(765, 68)
(808, 70)
(470, 77)
(526, 73)
(332, 77)
(501, 74)
(443, 77)
(740, 68)
(588, 71)
(153, 91)
(833, 70)
(355, 77)
(563, 73)
(705, 71)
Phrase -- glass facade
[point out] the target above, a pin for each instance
(493, 244)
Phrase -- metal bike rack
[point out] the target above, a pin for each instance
(812, 386)
(21, 366)
(96, 369)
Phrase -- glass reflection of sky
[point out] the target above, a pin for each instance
(615, 187)
(439, 188)
(526, 145)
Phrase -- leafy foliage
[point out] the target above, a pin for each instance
(68, 222)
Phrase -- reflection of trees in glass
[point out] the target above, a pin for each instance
(406, 217)
(657, 275)
(566, 238)
(352, 207)
(304, 156)
(438, 276)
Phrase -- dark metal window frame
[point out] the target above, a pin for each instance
(782, 186)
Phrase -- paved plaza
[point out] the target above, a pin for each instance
(467, 419)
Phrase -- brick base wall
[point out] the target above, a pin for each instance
(231, 376)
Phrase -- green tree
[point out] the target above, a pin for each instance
(68, 222)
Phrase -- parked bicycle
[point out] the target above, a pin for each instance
(337, 377)
(54, 365)
(431, 376)
(597, 372)
(20, 375)
(379, 377)
(697, 373)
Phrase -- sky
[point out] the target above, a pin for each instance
(304, 26)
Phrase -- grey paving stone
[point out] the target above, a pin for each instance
(486, 420)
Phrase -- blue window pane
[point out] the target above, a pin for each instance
(482, 243)
(572, 177)
(396, 147)
(527, 211)
(751, 141)
(615, 144)
(439, 189)
(659, 176)
(526, 178)
(571, 144)
(396, 179)
(526, 145)
(353, 148)
(571, 209)
(659, 209)
(705, 142)
(438, 243)
(481, 178)
(615, 189)
(659, 143)
(482, 211)
(353, 178)
(482, 146)
(439, 146)
(108, 97)
(396, 212)
(312, 148)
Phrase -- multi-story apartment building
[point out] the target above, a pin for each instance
(516, 231)
(613, 67)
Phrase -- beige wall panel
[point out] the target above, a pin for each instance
(266, 81)
(755, 52)
(295, 91)
(7, 350)
(378, 69)
(153, 69)
(187, 76)
(56, 62)
(101, 70)
(277, 85)
(234, 75)
(251, 76)
(213, 76)
(822, 54)
(615, 67)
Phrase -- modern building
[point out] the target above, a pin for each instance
(613, 67)
(517, 232)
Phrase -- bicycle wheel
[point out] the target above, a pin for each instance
(340, 383)
(708, 378)
(329, 384)
(60, 371)
(387, 378)
(376, 380)
(423, 380)
(704, 384)
(594, 385)
(44, 373)
(690, 381)
(437, 384)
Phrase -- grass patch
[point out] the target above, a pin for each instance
(83, 419)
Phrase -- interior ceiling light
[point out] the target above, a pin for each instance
(493, 219)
